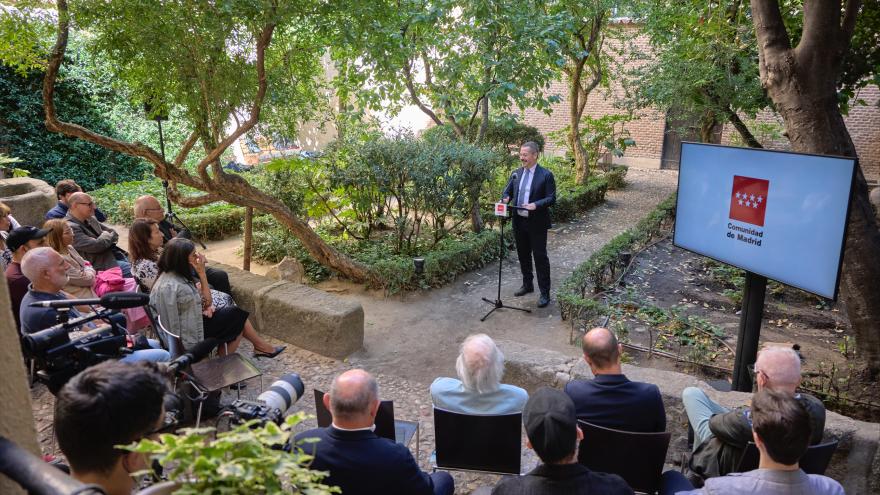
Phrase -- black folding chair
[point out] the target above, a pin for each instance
(484, 443)
(397, 430)
(814, 461)
(215, 374)
(636, 457)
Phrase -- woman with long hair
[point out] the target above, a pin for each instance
(80, 272)
(191, 309)
(144, 242)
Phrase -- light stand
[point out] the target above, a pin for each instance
(497, 303)
(170, 216)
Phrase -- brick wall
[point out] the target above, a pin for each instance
(646, 129)
(863, 123)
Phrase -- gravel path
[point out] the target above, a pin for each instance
(410, 339)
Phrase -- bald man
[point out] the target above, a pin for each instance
(721, 434)
(610, 399)
(93, 240)
(360, 462)
(47, 271)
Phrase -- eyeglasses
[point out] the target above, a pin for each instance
(754, 372)
(88, 204)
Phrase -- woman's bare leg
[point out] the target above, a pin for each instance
(224, 349)
(251, 334)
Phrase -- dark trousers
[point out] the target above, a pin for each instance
(218, 280)
(443, 483)
(531, 241)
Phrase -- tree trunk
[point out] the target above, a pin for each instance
(581, 161)
(803, 85)
(218, 187)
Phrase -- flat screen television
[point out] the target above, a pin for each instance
(778, 214)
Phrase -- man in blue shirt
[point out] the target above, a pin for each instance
(532, 188)
(478, 390)
(63, 190)
(47, 271)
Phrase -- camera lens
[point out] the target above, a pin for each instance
(284, 392)
(43, 340)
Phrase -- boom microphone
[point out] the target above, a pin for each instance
(111, 300)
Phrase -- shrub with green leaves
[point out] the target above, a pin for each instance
(455, 254)
(246, 459)
(504, 135)
(51, 156)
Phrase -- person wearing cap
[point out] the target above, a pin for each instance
(610, 399)
(359, 461)
(553, 433)
(20, 241)
(93, 240)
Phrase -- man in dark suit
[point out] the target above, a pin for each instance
(358, 460)
(610, 399)
(533, 188)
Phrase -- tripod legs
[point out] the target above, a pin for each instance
(497, 302)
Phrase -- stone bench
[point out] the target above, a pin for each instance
(29, 199)
(856, 464)
(298, 314)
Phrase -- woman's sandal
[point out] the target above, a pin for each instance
(278, 350)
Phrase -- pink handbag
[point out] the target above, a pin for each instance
(112, 281)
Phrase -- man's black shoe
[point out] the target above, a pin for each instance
(523, 291)
(543, 301)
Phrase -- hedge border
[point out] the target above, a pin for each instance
(602, 266)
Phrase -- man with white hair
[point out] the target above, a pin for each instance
(478, 390)
(47, 271)
(721, 434)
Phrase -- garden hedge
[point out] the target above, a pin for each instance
(602, 266)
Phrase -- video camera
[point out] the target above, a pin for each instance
(59, 357)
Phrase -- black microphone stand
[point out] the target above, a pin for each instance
(497, 303)
(170, 216)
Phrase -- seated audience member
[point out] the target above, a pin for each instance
(80, 274)
(149, 207)
(63, 190)
(360, 462)
(109, 404)
(610, 399)
(721, 435)
(20, 241)
(47, 271)
(5, 227)
(553, 433)
(781, 429)
(92, 239)
(478, 390)
(190, 309)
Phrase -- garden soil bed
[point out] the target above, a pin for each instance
(671, 278)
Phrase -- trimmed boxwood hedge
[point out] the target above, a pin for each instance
(600, 269)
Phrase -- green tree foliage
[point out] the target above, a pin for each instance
(455, 60)
(703, 63)
(506, 136)
(51, 156)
